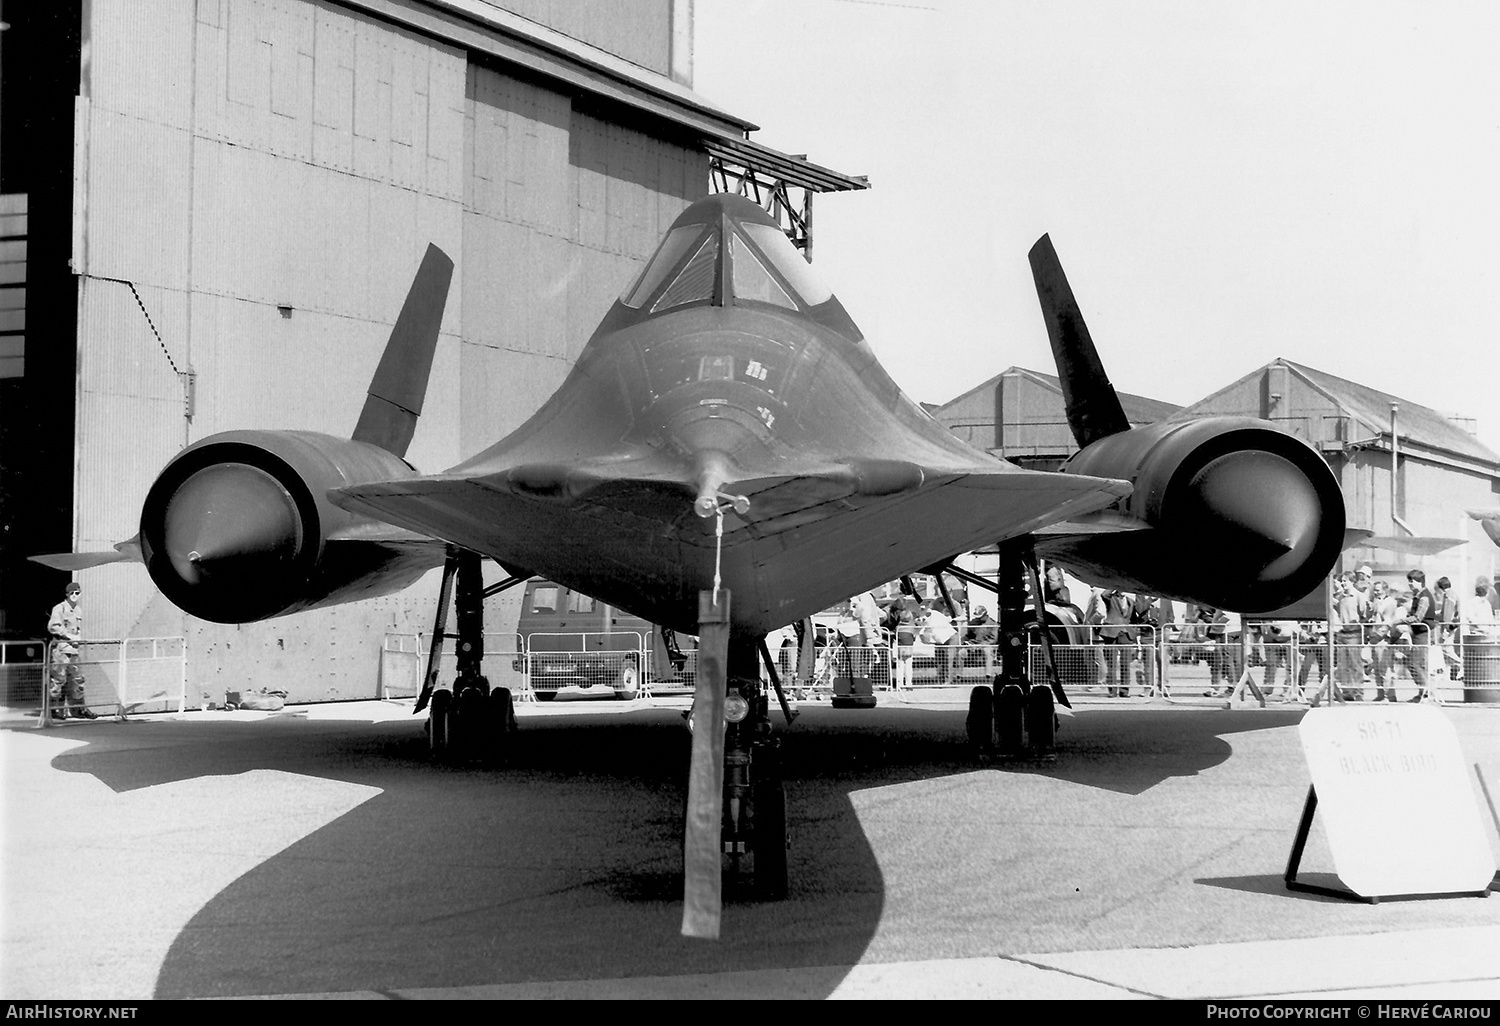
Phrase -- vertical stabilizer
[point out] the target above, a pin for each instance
(1093, 408)
(389, 417)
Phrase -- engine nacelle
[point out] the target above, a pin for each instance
(1233, 513)
(237, 527)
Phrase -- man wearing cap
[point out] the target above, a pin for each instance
(985, 634)
(65, 625)
(1364, 593)
(1420, 622)
(1351, 611)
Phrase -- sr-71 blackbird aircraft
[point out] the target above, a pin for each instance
(727, 456)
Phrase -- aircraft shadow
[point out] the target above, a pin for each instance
(565, 863)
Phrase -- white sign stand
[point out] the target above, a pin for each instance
(1398, 807)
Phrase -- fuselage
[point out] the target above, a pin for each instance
(727, 372)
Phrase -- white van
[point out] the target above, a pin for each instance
(575, 646)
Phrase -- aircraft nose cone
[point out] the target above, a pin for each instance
(1262, 513)
(225, 515)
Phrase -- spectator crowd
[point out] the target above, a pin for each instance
(1379, 635)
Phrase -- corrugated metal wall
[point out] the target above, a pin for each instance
(268, 180)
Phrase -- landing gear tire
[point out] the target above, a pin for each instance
(980, 724)
(1041, 720)
(467, 740)
(439, 719)
(628, 683)
(768, 807)
(1010, 709)
(501, 725)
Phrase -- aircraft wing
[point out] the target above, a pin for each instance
(546, 517)
(123, 552)
(647, 485)
(1412, 545)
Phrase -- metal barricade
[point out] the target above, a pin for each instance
(1480, 653)
(664, 681)
(1123, 664)
(23, 673)
(580, 666)
(1361, 670)
(403, 661)
(841, 659)
(121, 676)
(152, 675)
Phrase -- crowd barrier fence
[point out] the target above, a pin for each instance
(1143, 660)
(140, 675)
(23, 667)
(403, 661)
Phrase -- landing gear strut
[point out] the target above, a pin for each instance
(752, 824)
(754, 821)
(472, 722)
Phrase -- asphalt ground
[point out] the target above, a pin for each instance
(317, 851)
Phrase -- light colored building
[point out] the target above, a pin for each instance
(1416, 514)
(1413, 518)
(254, 184)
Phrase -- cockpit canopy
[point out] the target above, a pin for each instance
(727, 251)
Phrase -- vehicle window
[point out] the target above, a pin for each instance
(695, 283)
(667, 254)
(751, 279)
(789, 263)
(544, 600)
(580, 603)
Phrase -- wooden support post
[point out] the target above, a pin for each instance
(702, 884)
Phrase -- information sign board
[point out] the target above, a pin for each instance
(1396, 800)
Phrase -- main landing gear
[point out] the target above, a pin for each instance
(1016, 718)
(471, 722)
(1020, 721)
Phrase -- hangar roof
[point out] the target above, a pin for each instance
(483, 28)
(1138, 408)
(1371, 408)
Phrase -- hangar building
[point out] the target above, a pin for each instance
(227, 202)
(1415, 517)
(1018, 414)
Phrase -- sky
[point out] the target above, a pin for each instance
(1226, 183)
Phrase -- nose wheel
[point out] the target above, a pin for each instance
(754, 830)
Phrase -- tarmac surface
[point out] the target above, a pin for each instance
(318, 852)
